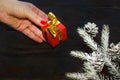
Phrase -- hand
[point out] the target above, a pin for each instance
(22, 16)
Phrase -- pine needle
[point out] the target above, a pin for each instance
(87, 38)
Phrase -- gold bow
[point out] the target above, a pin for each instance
(53, 29)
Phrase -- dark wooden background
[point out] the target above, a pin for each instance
(21, 58)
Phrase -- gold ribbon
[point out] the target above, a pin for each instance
(53, 29)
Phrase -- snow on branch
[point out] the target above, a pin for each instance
(102, 55)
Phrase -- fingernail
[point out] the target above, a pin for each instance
(43, 22)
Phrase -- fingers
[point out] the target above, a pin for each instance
(31, 31)
(25, 10)
(34, 18)
(24, 26)
(36, 31)
(32, 35)
(16, 17)
(35, 15)
(38, 11)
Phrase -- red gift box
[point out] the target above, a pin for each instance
(53, 30)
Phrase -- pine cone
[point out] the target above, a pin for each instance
(91, 29)
(114, 51)
(97, 61)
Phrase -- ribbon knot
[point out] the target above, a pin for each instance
(53, 29)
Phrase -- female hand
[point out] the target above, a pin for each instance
(22, 16)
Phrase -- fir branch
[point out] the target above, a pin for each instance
(80, 55)
(104, 44)
(105, 39)
(97, 61)
(103, 77)
(90, 72)
(88, 39)
(115, 72)
(76, 76)
(114, 51)
(101, 55)
(112, 68)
